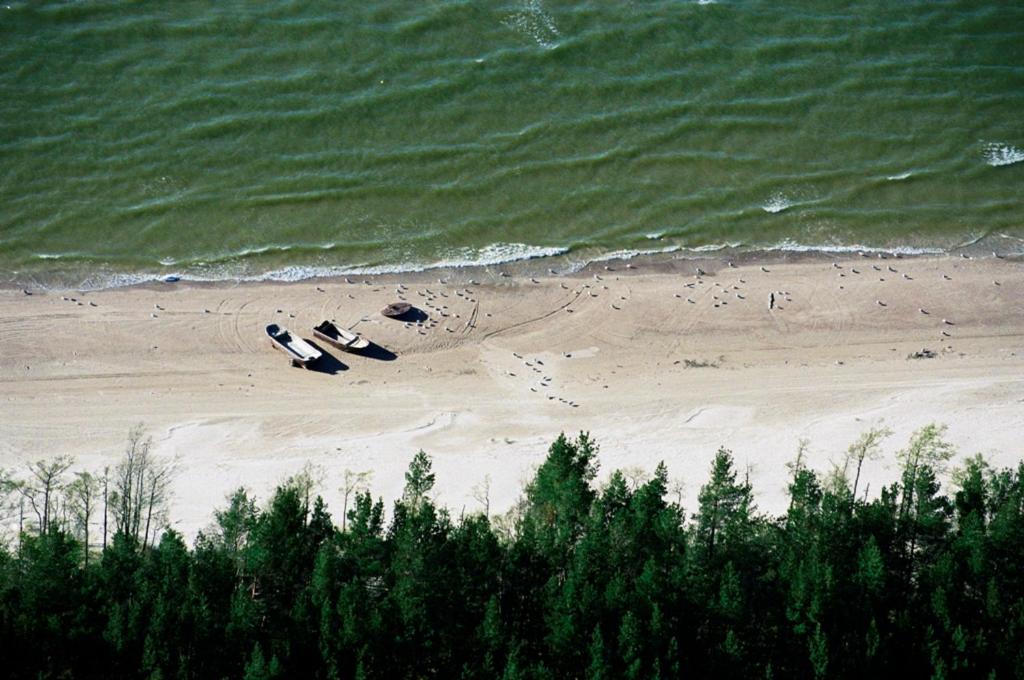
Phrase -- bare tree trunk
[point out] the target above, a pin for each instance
(344, 510)
(81, 502)
(106, 483)
(353, 480)
(856, 479)
(46, 511)
(21, 521)
(140, 489)
(137, 504)
(149, 516)
(85, 545)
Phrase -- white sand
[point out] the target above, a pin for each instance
(214, 395)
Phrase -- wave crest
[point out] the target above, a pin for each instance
(997, 154)
(777, 204)
(531, 20)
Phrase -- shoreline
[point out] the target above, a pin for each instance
(534, 260)
(625, 353)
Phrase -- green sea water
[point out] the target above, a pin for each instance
(282, 138)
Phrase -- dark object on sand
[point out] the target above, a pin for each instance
(339, 337)
(923, 354)
(396, 309)
(298, 350)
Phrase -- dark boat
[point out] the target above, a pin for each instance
(396, 309)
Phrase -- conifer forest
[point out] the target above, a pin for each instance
(579, 580)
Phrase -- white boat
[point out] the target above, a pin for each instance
(341, 338)
(298, 350)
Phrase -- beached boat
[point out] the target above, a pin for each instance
(298, 350)
(396, 309)
(339, 337)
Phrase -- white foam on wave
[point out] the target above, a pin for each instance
(634, 252)
(533, 21)
(901, 176)
(777, 204)
(712, 247)
(70, 255)
(997, 154)
(498, 253)
(654, 236)
(271, 248)
(794, 247)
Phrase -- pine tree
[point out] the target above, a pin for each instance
(725, 508)
(419, 480)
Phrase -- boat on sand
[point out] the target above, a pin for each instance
(341, 338)
(298, 350)
(396, 309)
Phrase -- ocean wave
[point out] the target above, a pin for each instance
(495, 254)
(713, 247)
(73, 255)
(794, 247)
(901, 176)
(629, 254)
(997, 154)
(777, 204)
(533, 21)
(233, 255)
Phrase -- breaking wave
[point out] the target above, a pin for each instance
(777, 204)
(1002, 154)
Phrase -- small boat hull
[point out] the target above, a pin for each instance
(298, 350)
(396, 309)
(343, 339)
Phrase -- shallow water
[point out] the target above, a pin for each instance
(237, 139)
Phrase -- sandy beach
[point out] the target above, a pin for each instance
(656, 360)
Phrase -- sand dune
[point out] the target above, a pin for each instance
(657, 362)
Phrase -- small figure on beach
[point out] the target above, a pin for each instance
(771, 301)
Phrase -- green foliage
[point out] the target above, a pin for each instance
(419, 480)
(724, 515)
(586, 581)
